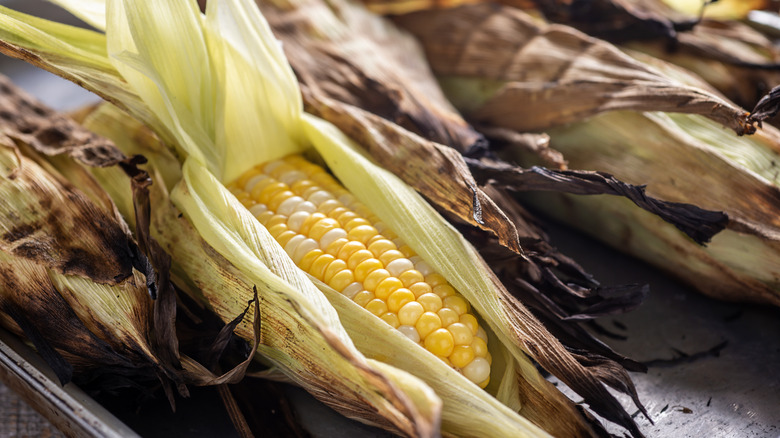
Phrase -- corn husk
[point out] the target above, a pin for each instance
(73, 282)
(576, 78)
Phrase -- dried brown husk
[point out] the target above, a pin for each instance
(731, 56)
(73, 280)
(715, 169)
(345, 53)
(513, 72)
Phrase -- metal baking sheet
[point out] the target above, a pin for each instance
(713, 366)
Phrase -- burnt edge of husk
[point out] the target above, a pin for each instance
(697, 223)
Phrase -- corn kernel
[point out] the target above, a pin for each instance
(274, 198)
(479, 346)
(420, 288)
(350, 248)
(322, 226)
(334, 267)
(410, 332)
(391, 318)
(435, 279)
(398, 299)
(462, 355)
(410, 313)
(440, 342)
(357, 257)
(334, 247)
(310, 221)
(430, 302)
(411, 277)
(377, 307)
(460, 333)
(444, 290)
(427, 323)
(373, 279)
(285, 237)
(328, 206)
(380, 246)
(366, 267)
(469, 321)
(399, 266)
(448, 316)
(478, 370)
(341, 279)
(320, 265)
(456, 303)
(387, 286)
(362, 298)
(355, 222)
(389, 256)
(309, 258)
(362, 233)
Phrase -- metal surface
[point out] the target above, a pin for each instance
(692, 388)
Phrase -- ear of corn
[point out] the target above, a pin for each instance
(688, 158)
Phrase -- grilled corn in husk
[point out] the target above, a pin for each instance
(72, 279)
(587, 88)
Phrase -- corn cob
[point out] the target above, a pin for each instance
(336, 239)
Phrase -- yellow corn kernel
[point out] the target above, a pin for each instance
(350, 248)
(322, 226)
(310, 222)
(469, 321)
(387, 286)
(460, 333)
(358, 257)
(411, 277)
(366, 267)
(410, 313)
(341, 278)
(285, 237)
(427, 323)
(373, 279)
(444, 290)
(309, 258)
(457, 303)
(334, 247)
(363, 298)
(377, 307)
(435, 279)
(479, 346)
(462, 355)
(398, 299)
(362, 233)
(440, 342)
(391, 318)
(380, 246)
(448, 316)
(333, 268)
(320, 265)
(389, 256)
(354, 222)
(430, 302)
(420, 288)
